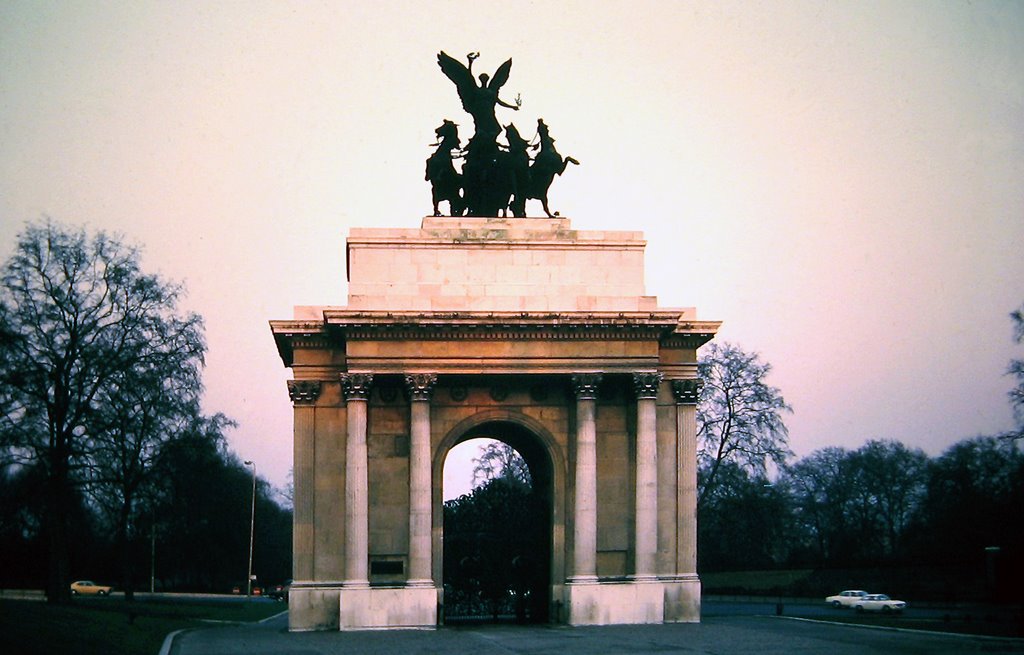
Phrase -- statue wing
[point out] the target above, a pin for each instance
(500, 76)
(457, 73)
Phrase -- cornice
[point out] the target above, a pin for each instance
(644, 325)
(289, 335)
(339, 325)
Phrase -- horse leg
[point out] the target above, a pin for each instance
(566, 162)
(455, 203)
(544, 203)
(518, 206)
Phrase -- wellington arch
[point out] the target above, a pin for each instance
(465, 327)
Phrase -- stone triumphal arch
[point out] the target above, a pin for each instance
(472, 326)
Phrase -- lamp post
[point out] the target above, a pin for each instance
(252, 526)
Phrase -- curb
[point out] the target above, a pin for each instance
(1010, 640)
(165, 649)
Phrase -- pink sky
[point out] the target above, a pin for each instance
(840, 182)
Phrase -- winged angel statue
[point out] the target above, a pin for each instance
(492, 173)
(478, 101)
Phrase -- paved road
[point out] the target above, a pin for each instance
(716, 635)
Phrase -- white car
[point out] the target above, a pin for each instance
(846, 598)
(879, 603)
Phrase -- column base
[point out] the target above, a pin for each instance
(356, 584)
(313, 606)
(682, 599)
(419, 584)
(611, 603)
(388, 608)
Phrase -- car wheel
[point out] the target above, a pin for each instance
(836, 604)
(74, 593)
(886, 609)
(860, 609)
(104, 593)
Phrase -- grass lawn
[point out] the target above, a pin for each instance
(102, 626)
(752, 581)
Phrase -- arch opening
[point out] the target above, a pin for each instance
(497, 538)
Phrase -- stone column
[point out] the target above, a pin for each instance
(420, 386)
(584, 557)
(646, 529)
(357, 393)
(304, 394)
(686, 393)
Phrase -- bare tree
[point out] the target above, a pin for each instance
(498, 460)
(861, 503)
(1016, 369)
(891, 479)
(820, 485)
(76, 312)
(739, 415)
(144, 408)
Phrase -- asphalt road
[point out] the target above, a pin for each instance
(721, 632)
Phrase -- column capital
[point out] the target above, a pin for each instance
(687, 392)
(646, 384)
(420, 385)
(304, 391)
(356, 385)
(585, 385)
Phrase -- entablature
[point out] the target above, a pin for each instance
(340, 327)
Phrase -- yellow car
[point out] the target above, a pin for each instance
(89, 588)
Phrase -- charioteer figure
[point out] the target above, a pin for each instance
(495, 178)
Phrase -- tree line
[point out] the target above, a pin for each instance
(109, 468)
(947, 522)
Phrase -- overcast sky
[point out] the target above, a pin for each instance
(839, 182)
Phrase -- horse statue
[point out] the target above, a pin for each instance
(488, 181)
(518, 159)
(546, 164)
(445, 181)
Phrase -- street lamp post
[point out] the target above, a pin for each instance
(252, 526)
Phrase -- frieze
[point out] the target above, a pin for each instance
(694, 340)
(491, 333)
(499, 392)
